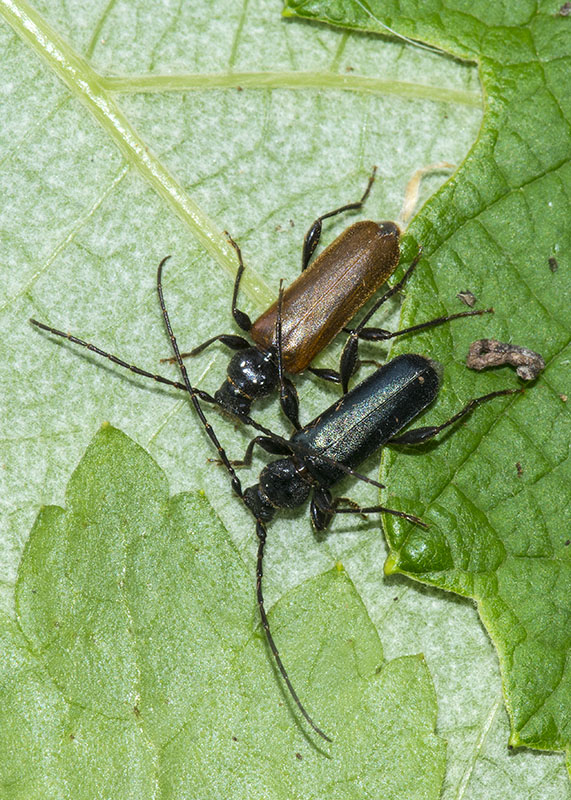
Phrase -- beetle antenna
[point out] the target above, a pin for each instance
(262, 535)
(298, 447)
(194, 395)
(279, 344)
(237, 487)
(289, 401)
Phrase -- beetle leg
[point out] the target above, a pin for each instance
(350, 354)
(350, 504)
(325, 374)
(289, 402)
(420, 435)
(349, 359)
(229, 339)
(313, 235)
(368, 361)
(389, 293)
(378, 334)
(242, 319)
(356, 509)
(267, 444)
(334, 376)
(321, 508)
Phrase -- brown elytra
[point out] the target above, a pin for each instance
(318, 305)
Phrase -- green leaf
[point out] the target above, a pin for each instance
(497, 536)
(125, 138)
(136, 667)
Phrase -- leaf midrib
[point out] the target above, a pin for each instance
(96, 93)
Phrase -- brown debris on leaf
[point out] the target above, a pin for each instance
(486, 353)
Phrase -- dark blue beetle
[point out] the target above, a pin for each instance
(331, 446)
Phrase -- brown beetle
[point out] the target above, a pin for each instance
(322, 300)
(311, 312)
(314, 309)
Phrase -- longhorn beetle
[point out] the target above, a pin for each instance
(321, 452)
(315, 308)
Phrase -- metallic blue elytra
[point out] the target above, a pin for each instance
(348, 432)
(370, 414)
